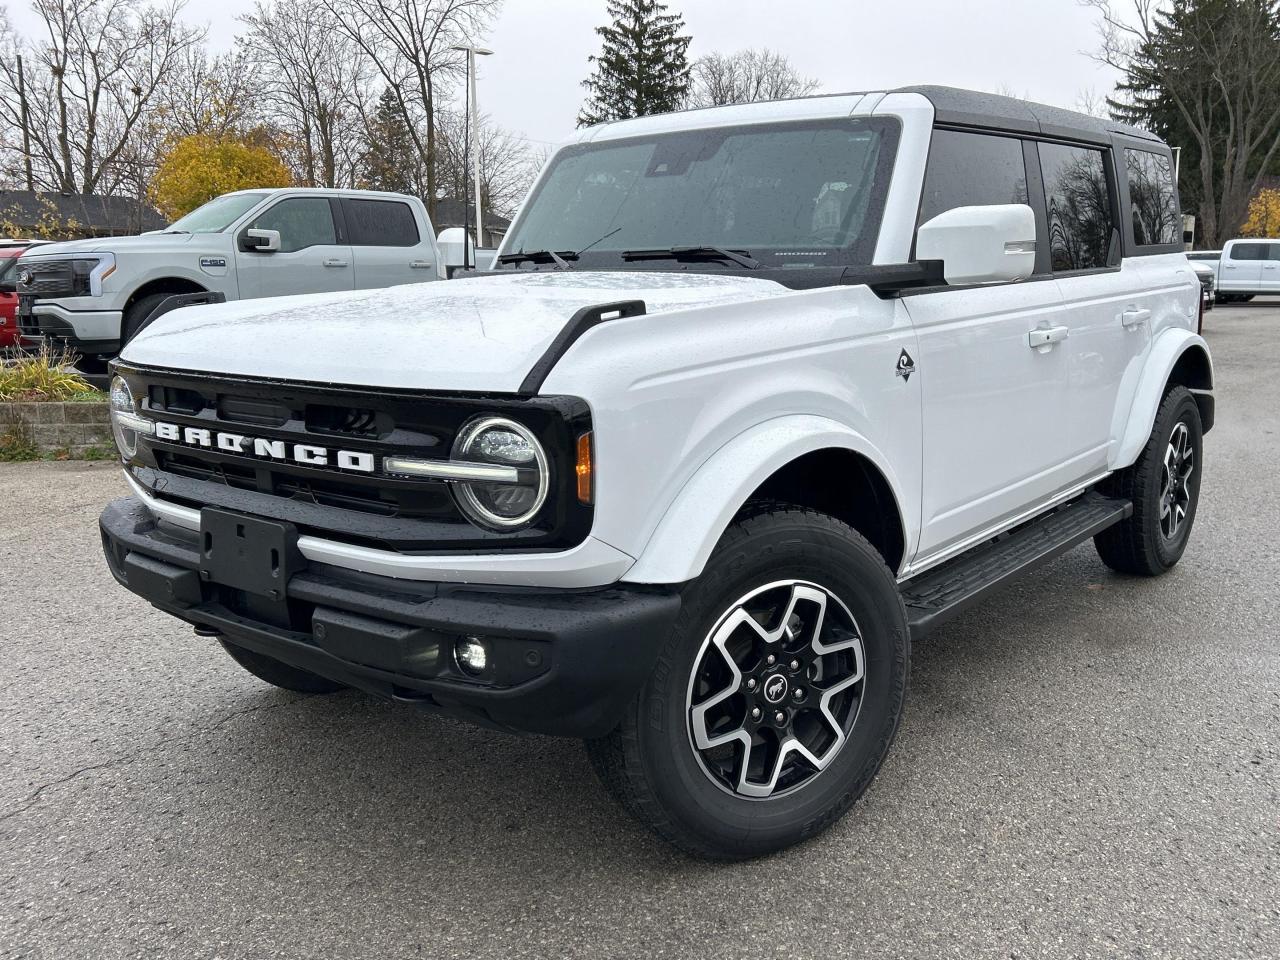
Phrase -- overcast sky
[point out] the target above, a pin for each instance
(1035, 48)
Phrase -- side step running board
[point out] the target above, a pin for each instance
(938, 595)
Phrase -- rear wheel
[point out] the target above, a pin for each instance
(280, 674)
(1164, 487)
(776, 696)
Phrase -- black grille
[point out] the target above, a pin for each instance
(389, 512)
(51, 278)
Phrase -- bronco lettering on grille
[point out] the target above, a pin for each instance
(307, 454)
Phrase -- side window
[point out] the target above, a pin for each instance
(1248, 251)
(1081, 222)
(972, 169)
(302, 221)
(1152, 197)
(380, 223)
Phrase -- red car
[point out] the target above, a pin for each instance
(10, 250)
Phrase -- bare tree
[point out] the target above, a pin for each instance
(210, 95)
(313, 77)
(1209, 72)
(745, 77)
(90, 80)
(507, 163)
(409, 43)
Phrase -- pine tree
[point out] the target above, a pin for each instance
(389, 161)
(642, 68)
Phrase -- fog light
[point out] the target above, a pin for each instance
(472, 655)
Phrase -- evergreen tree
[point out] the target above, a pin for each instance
(389, 160)
(642, 68)
(1204, 75)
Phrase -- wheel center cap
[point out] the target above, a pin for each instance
(775, 688)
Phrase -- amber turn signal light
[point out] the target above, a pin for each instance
(584, 468)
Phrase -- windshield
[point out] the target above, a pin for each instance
(218, 214)
(794, 194)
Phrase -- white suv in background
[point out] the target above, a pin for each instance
(94, 295)
(758, 396)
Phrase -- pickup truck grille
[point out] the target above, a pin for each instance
(368, 508)
(49, 278)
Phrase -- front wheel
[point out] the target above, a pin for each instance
(776, 697)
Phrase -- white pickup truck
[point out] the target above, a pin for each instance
(757, 397)
(93, 295)
(1243, 269)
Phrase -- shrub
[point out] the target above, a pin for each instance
(45, 376)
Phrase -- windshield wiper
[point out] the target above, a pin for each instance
(741, 257)
(543, 256)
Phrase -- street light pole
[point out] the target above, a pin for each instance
(473, 111)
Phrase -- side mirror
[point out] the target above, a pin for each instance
(9, 285)
(992, 244)
(260, 241)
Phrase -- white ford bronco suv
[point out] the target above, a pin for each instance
(94, 295)
(754, 398)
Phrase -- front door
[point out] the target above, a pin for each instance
(310, 258)
(993, 363)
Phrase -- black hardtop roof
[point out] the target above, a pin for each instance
(973, 108)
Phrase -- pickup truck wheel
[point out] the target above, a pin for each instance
(1164, 486)
(138, 312)
(776, 697)
(280, 674)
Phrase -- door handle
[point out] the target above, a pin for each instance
(419, 264)
(335, 263)
(1045, 337)
(1135, 317)
(1268, 266)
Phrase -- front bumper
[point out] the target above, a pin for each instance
(564, 662)
(86, 331)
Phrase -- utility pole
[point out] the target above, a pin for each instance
(473, 133)
(26, 126)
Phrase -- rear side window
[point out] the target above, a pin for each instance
(1249, 251)
(1152, 197)
(380, 223)
(972, 169)
(1081, 222)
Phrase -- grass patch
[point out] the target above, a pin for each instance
(45, 376)
(16, 444)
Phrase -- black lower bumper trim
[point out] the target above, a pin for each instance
(561, 662)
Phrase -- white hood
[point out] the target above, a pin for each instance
(471, 334)
(142, 244)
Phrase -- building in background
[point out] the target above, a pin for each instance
(73, 216)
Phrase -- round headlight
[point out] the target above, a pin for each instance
(497, 440)
(122, 402)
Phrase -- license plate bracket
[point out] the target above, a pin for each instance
(248, 553)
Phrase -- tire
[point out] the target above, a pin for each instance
(138, 312)
(1154, 538)
(280, 674)
(775, 560)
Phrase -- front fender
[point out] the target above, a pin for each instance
(689, 530)
(1165, 353)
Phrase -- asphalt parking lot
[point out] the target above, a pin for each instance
(1089, 767)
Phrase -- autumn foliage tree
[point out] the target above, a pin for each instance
(1264, 215)
(198, 168)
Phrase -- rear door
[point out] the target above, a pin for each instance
(995, 431)
(1269, 276)
(1241, 266)
(387, 243)
(311, 258)
(1107, 301)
